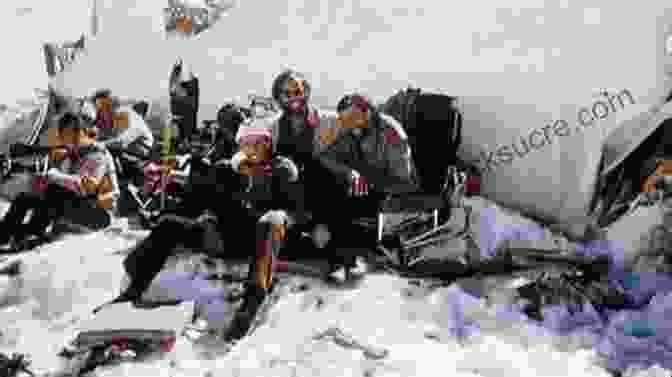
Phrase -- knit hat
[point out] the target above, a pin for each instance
(72, 120)
(250, 131)
(354, 102)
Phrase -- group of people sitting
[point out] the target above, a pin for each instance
(82, 184)
(304, 171)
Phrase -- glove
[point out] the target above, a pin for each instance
(89, 184)
(359, 185)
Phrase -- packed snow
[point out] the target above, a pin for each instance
(387, 326)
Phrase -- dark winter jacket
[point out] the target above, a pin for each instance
(382, 154)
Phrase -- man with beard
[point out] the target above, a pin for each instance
(301, 132)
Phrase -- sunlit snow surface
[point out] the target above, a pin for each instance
(411, 324)
(62, 285)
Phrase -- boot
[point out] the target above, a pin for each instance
(253, 298)
(6, 244)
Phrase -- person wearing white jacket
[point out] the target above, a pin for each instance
(82, 187)
(120, 127)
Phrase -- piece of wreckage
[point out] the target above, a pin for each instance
(634, 165)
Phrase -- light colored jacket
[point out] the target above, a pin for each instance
(128, 128)
(95, 161)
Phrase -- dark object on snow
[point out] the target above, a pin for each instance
(573, 289)
(417, 112)
(103, 347)
(253, 300)
(434, 128)
(142, 108)
(11, 366)
(184, 101)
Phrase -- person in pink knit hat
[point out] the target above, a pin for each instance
(258, 199)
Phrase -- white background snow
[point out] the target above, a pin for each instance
(62, 284)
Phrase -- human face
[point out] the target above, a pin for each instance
(353, 119)
(295, 92)
(256, 150)
(103, 104)
(295, 88)
(184, 24)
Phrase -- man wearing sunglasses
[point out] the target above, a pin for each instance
(301, 132)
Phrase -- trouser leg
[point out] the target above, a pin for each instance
(12, 223)
(148, 258)
(85, 213)
(271, 233)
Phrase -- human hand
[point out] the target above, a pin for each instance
(105, 201)
(89, 184)
(242, 164)
(359, 185)
(58, 154)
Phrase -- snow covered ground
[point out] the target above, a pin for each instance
(62, 284)
(411, 325)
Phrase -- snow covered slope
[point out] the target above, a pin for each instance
(386, 327)
(408, 325)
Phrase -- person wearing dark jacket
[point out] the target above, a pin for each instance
(301, 132)
(184, 100)
(370, 158)
(261, 201)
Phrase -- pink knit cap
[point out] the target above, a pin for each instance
(248, 133)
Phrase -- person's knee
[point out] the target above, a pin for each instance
(274, 218)
(275, 222)
(321, 236)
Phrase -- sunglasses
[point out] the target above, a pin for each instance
(354, 102)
